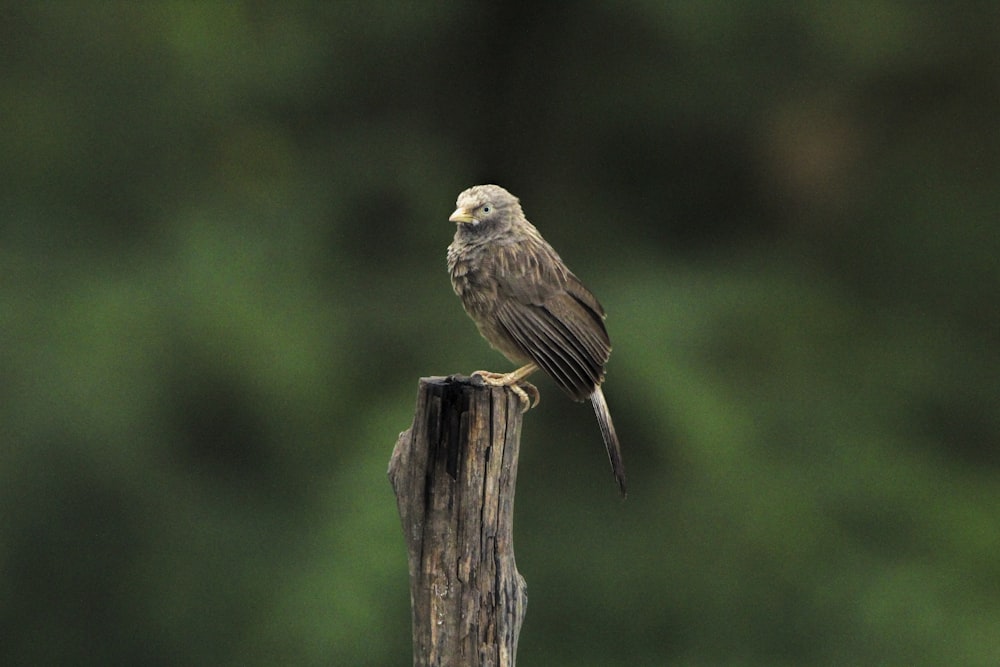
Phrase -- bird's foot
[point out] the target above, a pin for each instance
(528, 393)
(525, 391)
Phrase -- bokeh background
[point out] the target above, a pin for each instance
(222, 257)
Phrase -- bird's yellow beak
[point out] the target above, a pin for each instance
(462, 215)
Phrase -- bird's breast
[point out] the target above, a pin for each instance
(476, 288)
(469, 276)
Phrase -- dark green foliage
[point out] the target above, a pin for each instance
(222, 239)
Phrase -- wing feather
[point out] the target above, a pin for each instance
(552, 317)
(543, 341)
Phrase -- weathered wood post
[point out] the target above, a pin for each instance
(453, 473)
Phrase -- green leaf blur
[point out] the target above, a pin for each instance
(222, 248)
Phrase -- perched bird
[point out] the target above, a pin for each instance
(529, 306)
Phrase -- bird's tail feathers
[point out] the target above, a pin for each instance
(610, 438)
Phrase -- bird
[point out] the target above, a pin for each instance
(529, 306)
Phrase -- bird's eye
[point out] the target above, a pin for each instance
(487, 208)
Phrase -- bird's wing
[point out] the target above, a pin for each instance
(553, 318)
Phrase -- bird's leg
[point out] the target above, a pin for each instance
(515, 380)
(507, 379)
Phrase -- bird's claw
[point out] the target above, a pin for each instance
(528, 393)
(525, 391)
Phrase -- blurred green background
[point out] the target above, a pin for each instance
(222, 248)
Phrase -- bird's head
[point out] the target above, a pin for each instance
(486, 208)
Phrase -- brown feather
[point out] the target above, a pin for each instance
(528, 304)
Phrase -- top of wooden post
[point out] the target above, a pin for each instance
(454, 473)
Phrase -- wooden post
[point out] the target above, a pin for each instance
(453, 473)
